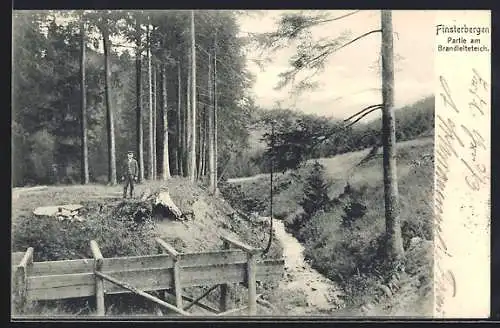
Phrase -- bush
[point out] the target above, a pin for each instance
(242, 201)
(42, 147)
(315, 191)
(354, 207)
(65, 240)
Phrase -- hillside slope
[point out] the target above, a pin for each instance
(209, 218)
(351, 254)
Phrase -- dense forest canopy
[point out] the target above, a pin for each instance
(47, 93)
(46, 109)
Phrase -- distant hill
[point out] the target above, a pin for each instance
(412, 121)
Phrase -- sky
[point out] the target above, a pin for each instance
(350, 82)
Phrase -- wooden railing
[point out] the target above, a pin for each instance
(171, 270)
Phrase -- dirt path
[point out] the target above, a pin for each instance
(19, 190)
(247, 179)
(321, 294)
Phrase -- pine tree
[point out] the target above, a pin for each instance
(315, 191)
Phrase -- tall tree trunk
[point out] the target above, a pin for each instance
(150, 103)
(154, 92)
(192, 127)
(109, 109)
(166, 164)
(392, 219)
(187, 121)
(216, 152)
(180, 129)
(138, 89)
(211, 130)
(159, 126)
(174, 143)
(205, 141)
(83, 103)
(200, 143)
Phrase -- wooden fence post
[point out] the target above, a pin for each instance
(99, 283)
(177, 270)
(21, 280)
(224, 288)
(252, 283)
(251, 278)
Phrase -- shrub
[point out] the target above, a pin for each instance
(242, 201)
(352, 211)
(41, 155)
(63, 240)
(417, 228)
(315, 191)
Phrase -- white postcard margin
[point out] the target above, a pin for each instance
(462, 164)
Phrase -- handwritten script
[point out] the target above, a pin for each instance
(464, 143)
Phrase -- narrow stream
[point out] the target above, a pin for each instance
(322, 294)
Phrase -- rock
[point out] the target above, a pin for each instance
(386, 290)
(61, 212)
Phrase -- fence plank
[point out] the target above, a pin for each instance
(152, 279)
(83, 284)
(62, 292)
(213, 258)
(63, 267)
(137, 262)
(112, 264)
(211, 274)
(109, 264)
(136, 290)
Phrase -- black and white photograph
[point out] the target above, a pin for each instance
(205, 163)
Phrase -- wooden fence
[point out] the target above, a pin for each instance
(99, 276)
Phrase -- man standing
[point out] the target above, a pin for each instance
(131, 170)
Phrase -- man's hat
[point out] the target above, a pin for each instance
(130, 152)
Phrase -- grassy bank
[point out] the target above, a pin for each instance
(110, 221)
(347, 247)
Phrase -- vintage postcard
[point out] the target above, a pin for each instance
(270, 163)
